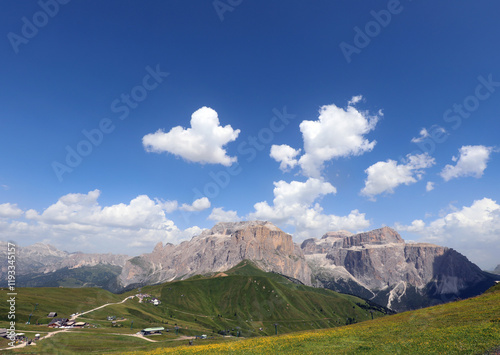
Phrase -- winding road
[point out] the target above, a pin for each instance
(104, 305)
(22, 345)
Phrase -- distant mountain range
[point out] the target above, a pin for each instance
(41, 264)
(376, 265)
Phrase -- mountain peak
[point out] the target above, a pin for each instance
(219, 249)
(384, 235)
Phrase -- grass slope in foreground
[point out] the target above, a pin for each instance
(243, 300)
(470, 326)
(251, 300)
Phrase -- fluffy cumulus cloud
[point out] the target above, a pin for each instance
(429, 186)
(385, 176)
(168, 206)
(198, 205)
(79, 220)
(472, 161)
(472, 230)
(8, 210)
(294, 205)
(285, 155)
(338, 132)
(202, 143)
(220, 215)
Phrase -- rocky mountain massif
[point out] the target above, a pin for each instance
(380, 266)
(376, 265)
(219, 249)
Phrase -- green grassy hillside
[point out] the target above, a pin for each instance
(87, 276)
(254, 301)
(470, 326)
(495, 288)
(64, 301)
(244, 301)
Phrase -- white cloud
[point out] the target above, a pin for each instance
(172, 205)
(168, 206)
(417, 226)
(198, 205)
(294, 205)
(385, 176)
(355, 99)
(471, 162)
(285, 155)
(8, 210)
(429, 186)
(436, 133)
(304, 193)
(202, 143)
(80, 221)
(337, 133)
(472, 230)
(219, 215)
(423, 134)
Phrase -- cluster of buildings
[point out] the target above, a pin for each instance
(65, 323)
(16, 338)
(147, 298)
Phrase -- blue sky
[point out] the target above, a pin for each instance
(379, 113)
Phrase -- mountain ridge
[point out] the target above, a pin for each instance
(219, 249)
(377, 265)
(380, 266)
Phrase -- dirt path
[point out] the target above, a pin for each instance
(53, 333)
(104, 305)
(137, 336)
(22, 345)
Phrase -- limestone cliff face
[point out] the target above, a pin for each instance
(328, 241)
(381, 266)
(219, 249)
(380, 236)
